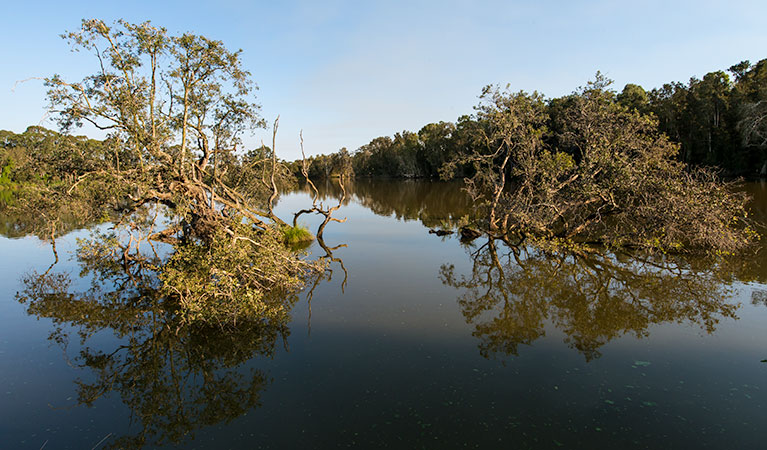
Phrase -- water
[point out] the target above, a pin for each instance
(412, 341)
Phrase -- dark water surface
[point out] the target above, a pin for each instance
(414, 341)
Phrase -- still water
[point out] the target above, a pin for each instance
(410, 340)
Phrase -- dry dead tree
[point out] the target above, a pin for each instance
(317, 206)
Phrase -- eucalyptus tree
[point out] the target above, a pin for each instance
(180, 104)
(177, 101)
(750, 93)
(633, 96)
(753, 129)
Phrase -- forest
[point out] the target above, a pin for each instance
(720, 121)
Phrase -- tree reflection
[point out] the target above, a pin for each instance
(435, 204)
(513, 293)
(327, 274)
(174, 378)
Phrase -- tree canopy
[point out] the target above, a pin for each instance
(184, 203)
(608, 176)
(720, 121)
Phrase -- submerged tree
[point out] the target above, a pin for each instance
(176, 107)
(609, 178)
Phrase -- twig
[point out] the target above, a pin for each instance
(102, 440)
(13, 89)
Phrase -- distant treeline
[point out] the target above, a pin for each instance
(719, 121)
(40, 156)
(38, 163)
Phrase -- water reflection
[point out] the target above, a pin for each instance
(174, 378)
(435, 204)
(327, 274)
(512, 294)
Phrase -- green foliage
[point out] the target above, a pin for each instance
(322, 167)
(633, 97)
(6, 196)
(43, 156)
(611, 178)
(405, 155)
(294, 236)
(717, 121)
(5, 174)
(601, 167)
(7, 186)
(713, 118)
(234, 278)
(174, 108)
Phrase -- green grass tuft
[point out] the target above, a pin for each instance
(298, 235)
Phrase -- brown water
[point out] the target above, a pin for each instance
(409, 341)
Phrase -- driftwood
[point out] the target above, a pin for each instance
(440, 232)
(469, 234)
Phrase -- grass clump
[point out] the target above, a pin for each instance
(296, 236)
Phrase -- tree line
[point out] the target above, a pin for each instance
(719, 121)
(595, 168)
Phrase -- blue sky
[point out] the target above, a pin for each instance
(348, 71)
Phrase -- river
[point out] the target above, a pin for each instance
(409, 340)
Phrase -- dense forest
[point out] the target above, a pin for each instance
(719, 121)
(39, 164)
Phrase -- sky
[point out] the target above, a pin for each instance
(346, 72)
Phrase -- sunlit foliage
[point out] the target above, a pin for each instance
(168, 175)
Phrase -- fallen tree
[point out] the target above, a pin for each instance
(593, 173)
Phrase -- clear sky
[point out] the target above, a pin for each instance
(348, 71)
